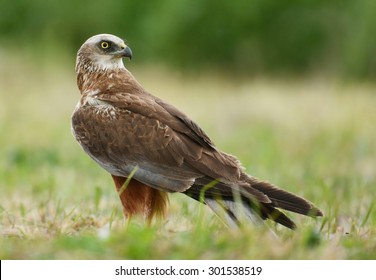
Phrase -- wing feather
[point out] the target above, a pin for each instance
(186, 138)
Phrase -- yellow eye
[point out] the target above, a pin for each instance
(104, 45)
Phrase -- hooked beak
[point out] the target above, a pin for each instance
(126, 52)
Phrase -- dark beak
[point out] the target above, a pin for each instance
(126, 52)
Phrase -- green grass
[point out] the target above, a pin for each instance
(314, 137)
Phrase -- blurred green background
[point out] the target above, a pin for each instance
(286, 86)
(334, 37)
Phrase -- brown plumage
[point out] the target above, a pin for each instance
(125, 129)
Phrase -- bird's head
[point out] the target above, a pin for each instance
(102, 52)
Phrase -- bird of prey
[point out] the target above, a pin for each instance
(151, 148)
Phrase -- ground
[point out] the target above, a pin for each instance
(314, 136)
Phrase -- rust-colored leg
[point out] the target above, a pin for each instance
(138, 198)
(119, 182)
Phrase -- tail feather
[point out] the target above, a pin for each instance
(225, 189)
(285, 200)
(224, 211)
(231, 211)
(230, 202)
(279, 217)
